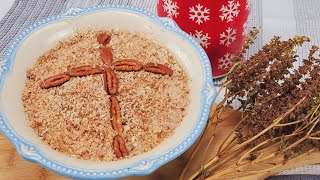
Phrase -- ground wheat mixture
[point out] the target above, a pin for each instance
(75, 118)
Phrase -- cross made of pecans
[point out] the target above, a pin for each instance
(111, 84)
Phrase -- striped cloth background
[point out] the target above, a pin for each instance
(25, 12)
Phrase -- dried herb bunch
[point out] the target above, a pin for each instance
(279, 104)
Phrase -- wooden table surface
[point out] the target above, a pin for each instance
(12, 166)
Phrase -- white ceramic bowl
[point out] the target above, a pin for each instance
(45, 34)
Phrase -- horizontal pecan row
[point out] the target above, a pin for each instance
(127, 65)
(80, 71)
(158, 68)
(55, 81)
(85, 71)
(110, 79)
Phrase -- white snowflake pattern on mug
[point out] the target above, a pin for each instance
(230, 11)
(228, 37)
(201, 38)
(171, 8)
(199, 13)
(225, 61)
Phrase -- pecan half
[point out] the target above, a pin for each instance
(84, 71)
(127, 65)
(119, 147)
(158, 68)
(115, 115)
(103, 39)
(55, 81)
(106, 55)
(111, 82)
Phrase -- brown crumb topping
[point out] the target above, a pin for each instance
(74, 118)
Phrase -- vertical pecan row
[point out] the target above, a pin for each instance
(111, 82)
(103, 39)
(116, 115)
(119, 147)
(106, 55)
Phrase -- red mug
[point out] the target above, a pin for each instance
(219, 26)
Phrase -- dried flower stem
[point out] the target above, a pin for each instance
(259, 159)
(280, 110)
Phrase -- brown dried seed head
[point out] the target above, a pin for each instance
(56, 80)
(158, 68)
(106, 55)
(103, 39)
(127, 65)
(119, 147)
(111, 83)
(84, 71)
(115, 115)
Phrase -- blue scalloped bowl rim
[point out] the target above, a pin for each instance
(143, 167)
